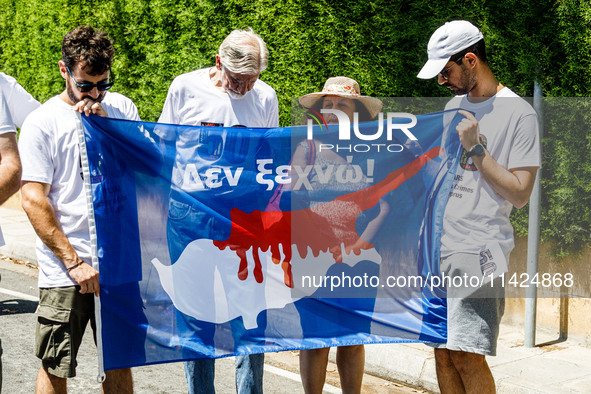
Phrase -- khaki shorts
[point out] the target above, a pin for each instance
(63, 314)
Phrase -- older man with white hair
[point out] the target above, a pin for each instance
(228, 94)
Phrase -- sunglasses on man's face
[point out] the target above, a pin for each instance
(87, 86)
(445, 72)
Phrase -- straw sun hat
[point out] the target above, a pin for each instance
(343, 87)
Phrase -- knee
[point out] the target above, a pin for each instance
(467, 363)
(118, 381)
(123, 374)
(443, 359)
(314, 356)
(351, 356)
(350, 351)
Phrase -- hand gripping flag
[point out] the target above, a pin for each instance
(214, 241)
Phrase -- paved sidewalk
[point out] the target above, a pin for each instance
(19, 235)
(560, 367)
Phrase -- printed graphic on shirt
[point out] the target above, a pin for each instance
(457, 190)
(463, 182)
(211, 124)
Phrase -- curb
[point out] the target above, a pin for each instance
(19, 235)
(20, 251)
(411, 363)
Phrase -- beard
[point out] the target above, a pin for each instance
(466, 83)
(458, 91)
(76, 99)
(234, 95)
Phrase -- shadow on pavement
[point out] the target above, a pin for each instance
(17, 306)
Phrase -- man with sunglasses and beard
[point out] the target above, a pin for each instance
(498, 132)
(228, 94)
(54, 199)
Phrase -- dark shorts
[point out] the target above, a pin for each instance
(62, 318)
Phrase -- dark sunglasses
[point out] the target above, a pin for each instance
(87, 87)
(444, 73)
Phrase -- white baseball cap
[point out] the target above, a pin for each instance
(448, 40)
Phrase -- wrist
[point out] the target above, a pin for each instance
(78, 264)
(476, 150)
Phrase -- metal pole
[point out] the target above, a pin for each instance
(533, 236)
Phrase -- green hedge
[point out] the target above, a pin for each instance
(380, 43)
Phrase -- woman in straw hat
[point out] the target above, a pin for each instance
(340, 93)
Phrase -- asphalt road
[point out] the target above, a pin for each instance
(18, 294)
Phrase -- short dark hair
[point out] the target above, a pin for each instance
(479, 49)
(93, 47)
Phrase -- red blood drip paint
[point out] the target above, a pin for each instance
(263, 230)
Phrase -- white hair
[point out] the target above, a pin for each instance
(244, 52)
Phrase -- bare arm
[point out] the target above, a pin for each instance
(47, 227)
(514, 185)
(10, 166)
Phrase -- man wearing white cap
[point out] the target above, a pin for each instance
(500, 158)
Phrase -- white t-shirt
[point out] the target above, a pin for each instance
(475, 214)
(15, 104)
(6, 122)
(49, 150)
(194, 100)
